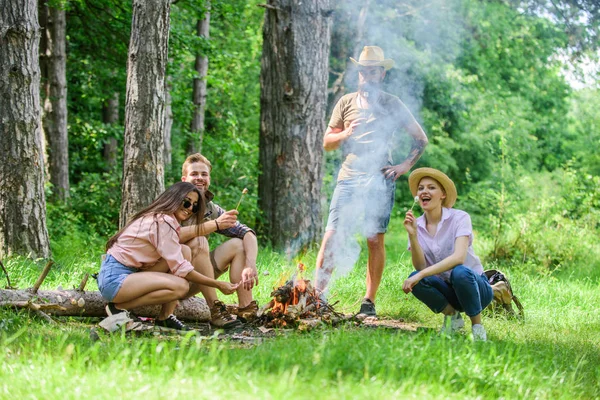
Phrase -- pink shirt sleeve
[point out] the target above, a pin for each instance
(164, 235)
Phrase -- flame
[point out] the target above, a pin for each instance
(292, 292)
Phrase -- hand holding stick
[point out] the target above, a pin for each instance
(243, 193)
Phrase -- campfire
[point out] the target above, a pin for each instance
(296, 303)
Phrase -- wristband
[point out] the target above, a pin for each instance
(217, 224)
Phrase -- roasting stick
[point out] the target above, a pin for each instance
(243, 193)
(415, 202)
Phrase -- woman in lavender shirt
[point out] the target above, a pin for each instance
(449, 276)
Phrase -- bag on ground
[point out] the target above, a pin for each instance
(503, 294)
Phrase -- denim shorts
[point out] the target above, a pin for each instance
(362, 208)
(111, 277)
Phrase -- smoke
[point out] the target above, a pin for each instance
(422, 37)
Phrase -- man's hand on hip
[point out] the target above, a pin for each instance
(395, 171)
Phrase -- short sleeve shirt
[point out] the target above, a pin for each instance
(454, 224)
(214, 211)
(370, 147)
(147, 240)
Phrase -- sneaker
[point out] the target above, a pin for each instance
(452, 323)
(367, 308)
(111, 309)
(249, 312)
(479, 334)
(221, 318)
(171, 323)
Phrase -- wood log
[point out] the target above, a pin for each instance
(91, 304)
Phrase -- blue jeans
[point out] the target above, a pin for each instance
(466, 291)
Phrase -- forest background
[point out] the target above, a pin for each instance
(507, 92)
(497, 86)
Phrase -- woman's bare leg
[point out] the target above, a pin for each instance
(150, 288)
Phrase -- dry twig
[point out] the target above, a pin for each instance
(83, 282)
(9, 285)
(41, 278)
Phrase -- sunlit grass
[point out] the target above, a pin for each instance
(554, 353)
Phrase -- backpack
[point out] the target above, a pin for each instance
(503, 294)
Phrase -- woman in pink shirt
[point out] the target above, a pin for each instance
(449, 276)
(145, 263)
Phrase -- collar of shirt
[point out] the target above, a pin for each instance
(208, 195)
(422, 223)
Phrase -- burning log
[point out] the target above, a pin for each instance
(297, 303)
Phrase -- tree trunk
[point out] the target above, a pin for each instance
(55, 101)
(143, 168)
(69, 303)
(22, 199)
(110, 116)
(168, 125)
(199, 94)
(293, 100)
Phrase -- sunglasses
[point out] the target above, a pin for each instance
(187, 204)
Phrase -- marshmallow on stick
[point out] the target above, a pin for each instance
(414, 202)
(243, 193)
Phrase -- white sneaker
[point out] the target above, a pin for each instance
(452, 323)
(479, 334)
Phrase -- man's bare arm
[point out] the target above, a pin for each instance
(334, 137)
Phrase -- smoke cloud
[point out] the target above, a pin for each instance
(421, 37)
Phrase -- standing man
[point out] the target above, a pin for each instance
(238, 254)
(366, 125)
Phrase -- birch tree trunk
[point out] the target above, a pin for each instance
(296, 40)
(55, 100)
(22, 199)
(143, 168)
(199, 94)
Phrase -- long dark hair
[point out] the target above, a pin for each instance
(168, 202)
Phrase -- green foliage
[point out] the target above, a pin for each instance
(583, 138)
(86, 142)
(232, 113)
(542, 222)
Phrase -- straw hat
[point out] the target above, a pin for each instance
(420, 173)
(372, 56)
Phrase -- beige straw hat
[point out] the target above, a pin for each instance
(372, 56)
(420, 173)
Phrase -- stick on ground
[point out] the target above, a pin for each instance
(9, 285)
(83, 282)
(41, 278)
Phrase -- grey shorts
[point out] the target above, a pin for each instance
(111, 277)
(360, 208)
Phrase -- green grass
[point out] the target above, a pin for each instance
(555, 353)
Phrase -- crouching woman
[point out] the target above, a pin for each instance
(449, 276)
(145, 263)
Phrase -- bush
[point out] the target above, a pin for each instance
(546, 221)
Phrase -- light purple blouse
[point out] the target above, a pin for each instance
(454, 223)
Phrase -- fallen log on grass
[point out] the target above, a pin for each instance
(77, 303)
